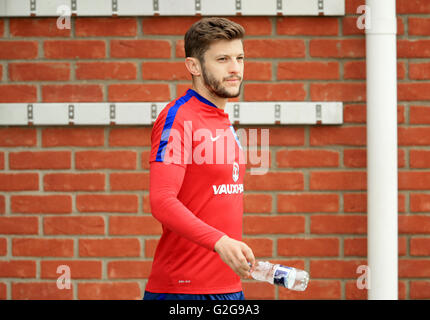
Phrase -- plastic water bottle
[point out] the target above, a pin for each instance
(288, 277)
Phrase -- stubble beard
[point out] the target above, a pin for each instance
(216, 87)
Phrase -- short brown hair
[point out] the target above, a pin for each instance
(207, 30)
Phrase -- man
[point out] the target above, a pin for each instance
(196, 179)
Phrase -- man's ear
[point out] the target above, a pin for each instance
(193, 66)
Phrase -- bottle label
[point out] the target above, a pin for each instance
(281, 276)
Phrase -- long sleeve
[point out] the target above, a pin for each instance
(165, 183)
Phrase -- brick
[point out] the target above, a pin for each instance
(120, 247)
(405, 6)
(50, 71)
(355, 247)
(118, 160)
(18, 50)
(127, 137)
(346, 92)
(146, 206)
(419, 290)
(413, 136)
(349, 26)
(419, 114)
(72, 93)
(358, 246)
(419, 202)
(353, 292)
(306, 158)
(18, 137)
(18, 269)
(420, 247)
(131, 225)
(74, 225)
(318, 247)
(357, 70)
(336, 268)
(106, 27)
(274, 181)
(79, 269)
(74, 49)
(317, 289)
(144, 159)
(140, 49)
(419, 159)
(357, 158)
(338, 180)
(419, 71)
(415, 268)
(45, 204)
(354, 113)
(271, 48)
(138, 92)
(261, 247)
(106, 71)
(257, 70)
(413, 91)
(413, 48)
(36, 247)
(73, 137)
(19, 181)
(338, 224)
(414, 180)
(257, 203)
(19, 225)
(418, 26)
(308, 203)
(326, 26)
(414, 224)
(2, 164)
(74, 182)
(254, 26)
(274, 92)
(3, 246)
(355, 202)
(150, 246)
(2, 204)
(273, 225)
(107, 203)
(334, 48)
(165, 71)
(129, 181)
(308, 70)
(18, 93)
(40, 291)
(258, 290)
(42, 160)
(167, 25)
(180, 49)
(1, 28)
(109, 291)
(129, 269)
(278, 136)
(36, 27)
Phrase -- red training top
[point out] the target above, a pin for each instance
(196, 192)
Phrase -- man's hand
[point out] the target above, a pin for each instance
(236, 255)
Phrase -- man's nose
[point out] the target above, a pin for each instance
(234, 67)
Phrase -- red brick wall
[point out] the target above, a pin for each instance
(79, 195)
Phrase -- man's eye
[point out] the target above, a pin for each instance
(222, 59)
(240, 58)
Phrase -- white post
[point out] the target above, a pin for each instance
(382, 206)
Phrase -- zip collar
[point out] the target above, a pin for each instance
(193, 93)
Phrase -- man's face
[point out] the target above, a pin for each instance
(222, 68)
